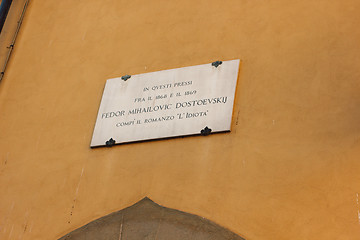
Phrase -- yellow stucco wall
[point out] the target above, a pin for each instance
(288, 170)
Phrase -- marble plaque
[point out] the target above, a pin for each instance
(169, 103)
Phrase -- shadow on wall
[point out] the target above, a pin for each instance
(148, 220)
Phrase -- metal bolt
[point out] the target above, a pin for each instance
(126, 77)
(206, 131)
(110, 143)
(216, 64)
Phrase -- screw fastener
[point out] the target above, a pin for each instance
(110, 143)
(206, 131)
(216, 64)
(126, 77)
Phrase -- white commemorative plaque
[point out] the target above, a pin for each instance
(169, 103)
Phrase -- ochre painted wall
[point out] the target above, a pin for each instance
(289, 169)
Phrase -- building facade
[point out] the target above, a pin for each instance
(289, 168)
